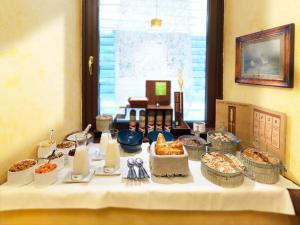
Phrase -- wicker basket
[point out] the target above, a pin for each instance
(194, 151)
(263, 173)
(226, 147)
(222, 179)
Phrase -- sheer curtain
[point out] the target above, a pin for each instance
(132, 52)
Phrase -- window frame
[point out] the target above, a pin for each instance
(90, 47)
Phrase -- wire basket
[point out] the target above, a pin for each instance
(261, 172)
(231, 146)
(194, 151)
(229, 180)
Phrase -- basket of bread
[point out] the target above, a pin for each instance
(168, 158)
(264, 166)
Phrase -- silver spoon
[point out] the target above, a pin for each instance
(142, 172)
(131, 171)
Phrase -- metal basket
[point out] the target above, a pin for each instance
(194, 151)
(229, 180)
(226, 147)
(263, 173)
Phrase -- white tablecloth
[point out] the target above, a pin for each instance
(179, 193)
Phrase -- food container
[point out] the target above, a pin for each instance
(65, 146)
(168, 165)
(21, 177)
(103, 122)
(228, 180)
(130, 141)
(58, 159)
(138, 102)
(263, 172)
(45, 148)
(231, 145)
(195, 146)
(46, 178)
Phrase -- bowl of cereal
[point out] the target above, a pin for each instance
(21, 172)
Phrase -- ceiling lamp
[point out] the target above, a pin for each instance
(156, 23)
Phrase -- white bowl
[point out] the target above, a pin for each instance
(59, 161)
(46, 178)
(21, 177)
(65, 151)
(45, 150)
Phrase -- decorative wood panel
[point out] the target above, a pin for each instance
(254, 125)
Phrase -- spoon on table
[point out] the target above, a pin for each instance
(131, 172)
(142, 171)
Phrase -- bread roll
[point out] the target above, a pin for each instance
(161, 139)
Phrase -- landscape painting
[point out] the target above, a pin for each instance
(263, 59)
(266, 57)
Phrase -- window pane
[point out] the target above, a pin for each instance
(132, 52)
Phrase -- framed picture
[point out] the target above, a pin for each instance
(266, 57)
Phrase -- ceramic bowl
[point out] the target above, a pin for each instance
(130, 141)
(46, 178)
(152, 136)
(21, 177)
(65, 150)
(45, 148)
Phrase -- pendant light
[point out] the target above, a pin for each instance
(156, 23)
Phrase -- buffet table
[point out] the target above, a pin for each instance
(158, 193)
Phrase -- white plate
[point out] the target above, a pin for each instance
(72, 136)
(100, 172)
(84, 179)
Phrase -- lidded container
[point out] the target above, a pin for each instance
(104, 122)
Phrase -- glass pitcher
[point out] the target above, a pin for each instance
(112, 156)
(81, 165)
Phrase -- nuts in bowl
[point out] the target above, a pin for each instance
(22, 165)
(21, 173)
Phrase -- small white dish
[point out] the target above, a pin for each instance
(22, 177)
(104, 171)
(71, 137)
(65, 151)
(77, 178)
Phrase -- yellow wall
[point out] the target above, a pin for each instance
(40, 74)
(245, 17)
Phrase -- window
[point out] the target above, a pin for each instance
(131, 52)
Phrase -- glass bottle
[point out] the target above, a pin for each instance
(81, 158)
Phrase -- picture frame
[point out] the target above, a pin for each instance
(266, 57)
